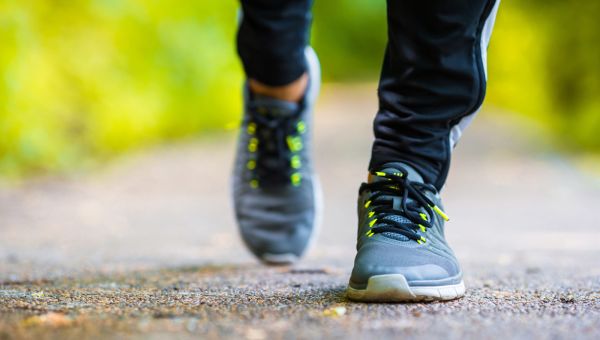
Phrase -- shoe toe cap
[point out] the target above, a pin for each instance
(276, 226)
(416, 264)
(270, 241)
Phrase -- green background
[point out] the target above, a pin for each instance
(82, 81)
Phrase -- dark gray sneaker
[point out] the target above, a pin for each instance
(402, 252)
(275, 192)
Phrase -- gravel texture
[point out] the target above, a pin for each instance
(147, 247)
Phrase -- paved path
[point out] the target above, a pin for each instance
(147, 247)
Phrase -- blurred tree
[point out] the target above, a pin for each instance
(545, 63)
(86, 79)
(81, 80)
(350, 37)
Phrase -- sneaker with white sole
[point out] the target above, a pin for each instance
(402, 253)
(275, 192)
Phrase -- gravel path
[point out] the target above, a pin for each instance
(147, 247)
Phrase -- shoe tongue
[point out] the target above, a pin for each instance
(413, 176)
(274, 107)
(395, 167)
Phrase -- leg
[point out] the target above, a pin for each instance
(275, 193)
(433, 81)
(271, 41)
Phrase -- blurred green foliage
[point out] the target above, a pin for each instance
(82, 80)
(545, 63)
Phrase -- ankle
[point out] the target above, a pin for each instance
(292, 92)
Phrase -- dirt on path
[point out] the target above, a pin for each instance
(147, 247)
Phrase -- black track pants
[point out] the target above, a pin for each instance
(433, 78)
(272, 37)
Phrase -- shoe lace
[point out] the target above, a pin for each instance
(274, 145)
(415, 206)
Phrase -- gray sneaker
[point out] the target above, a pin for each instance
(275, 192)
(402, 252)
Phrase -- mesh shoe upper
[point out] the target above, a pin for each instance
(274, 188)
(401, 230)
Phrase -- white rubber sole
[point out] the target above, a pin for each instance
(315, 75)
(395, 288)
(279, 259)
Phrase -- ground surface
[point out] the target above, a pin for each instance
(148, 247)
